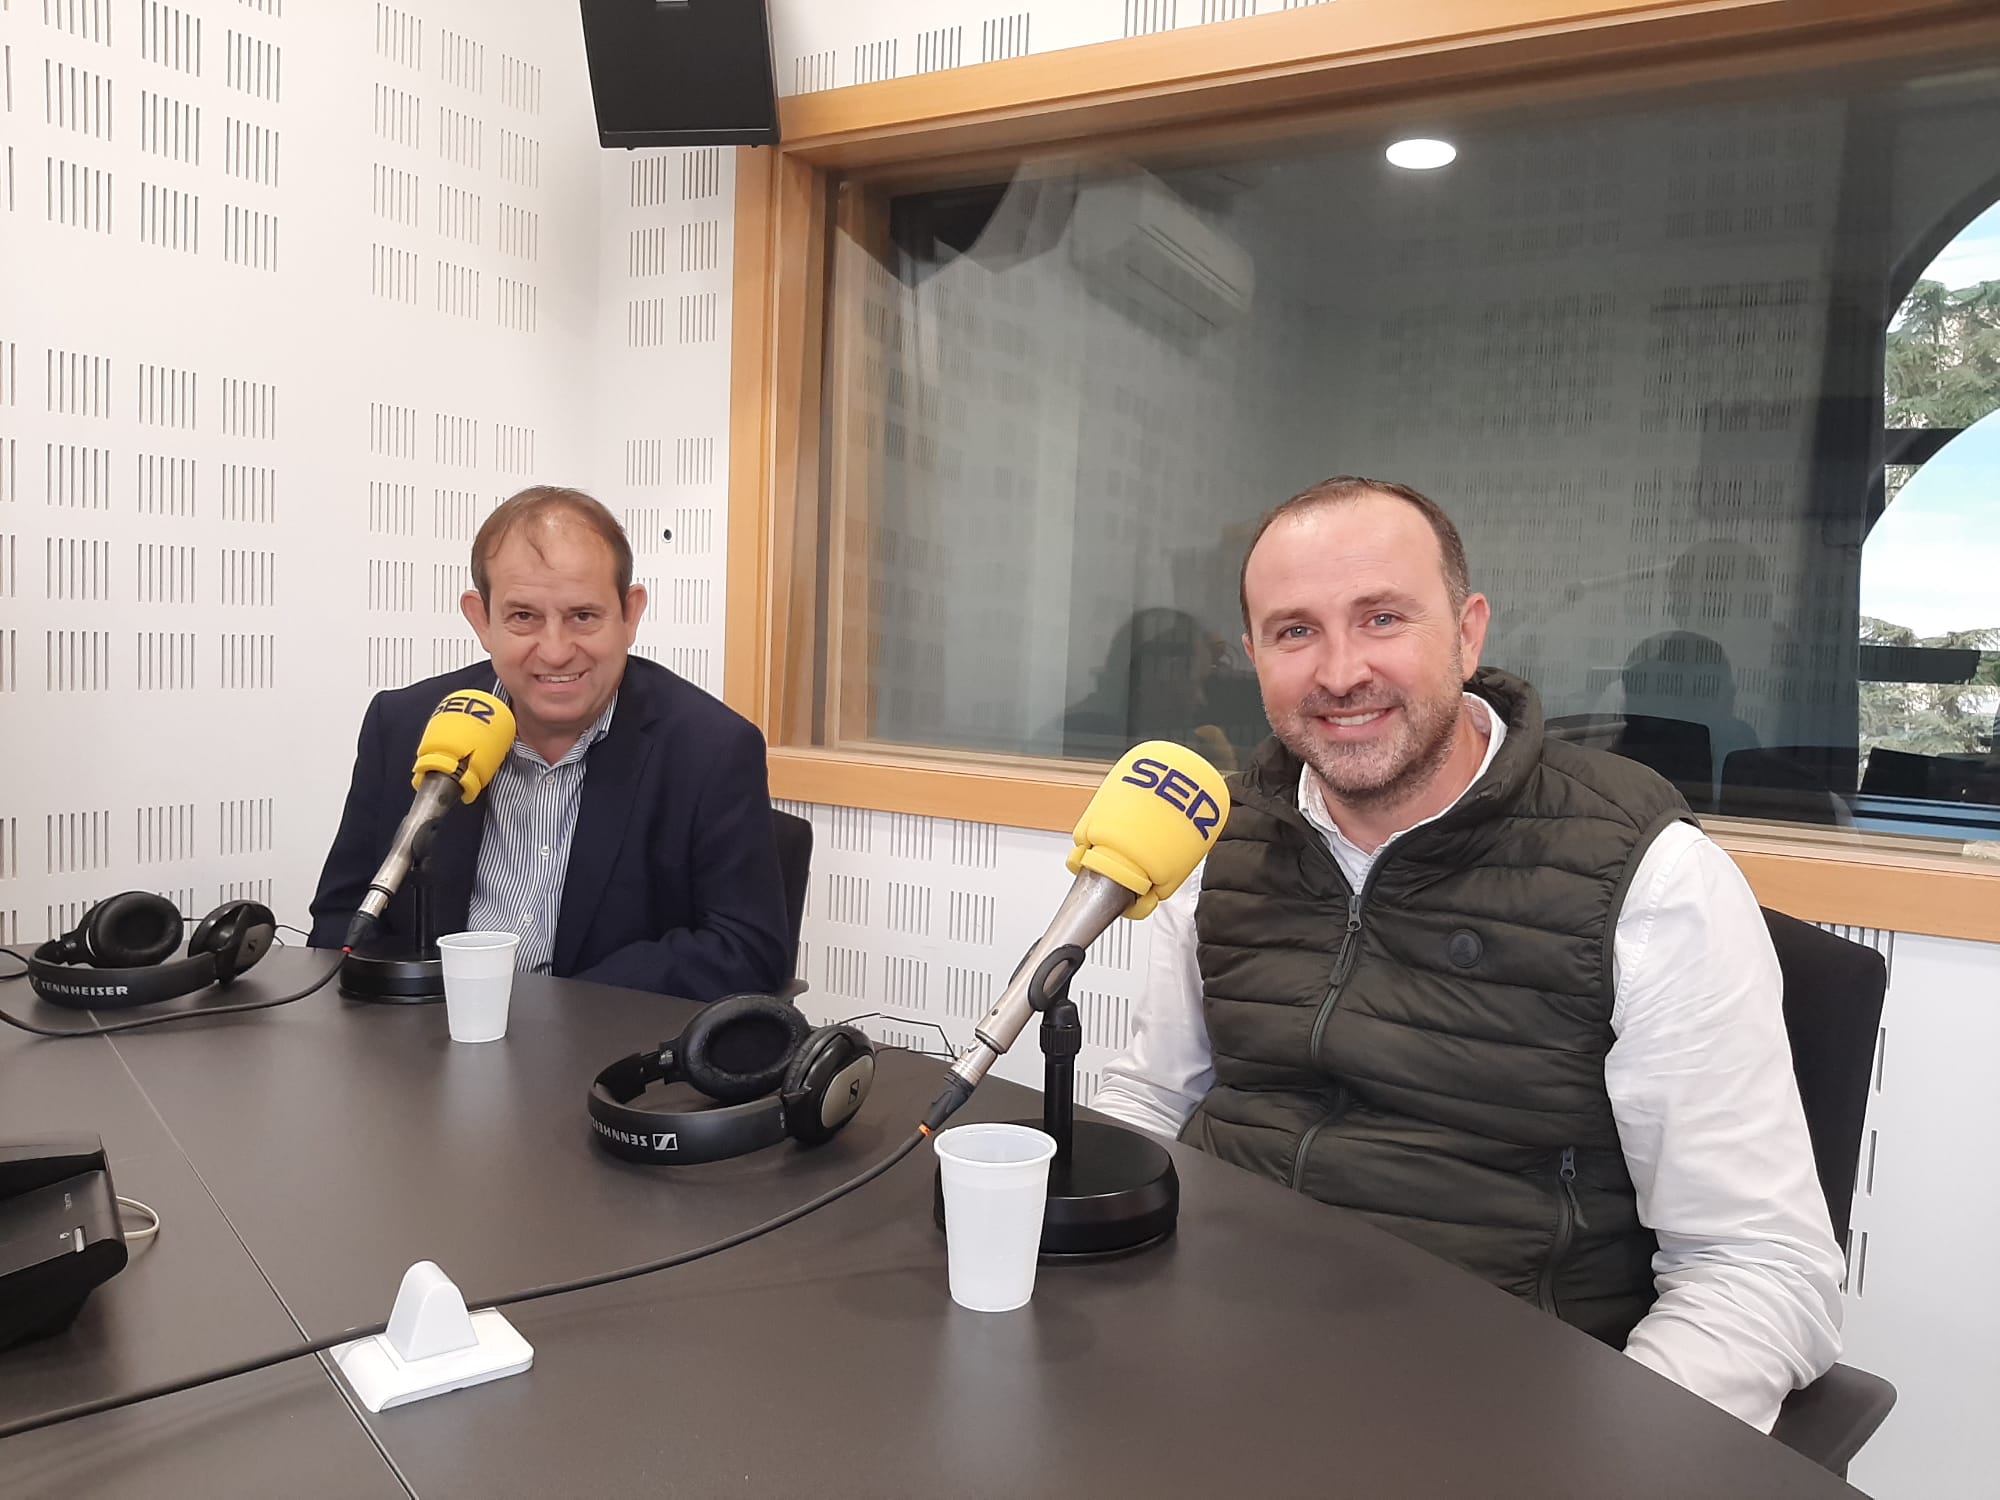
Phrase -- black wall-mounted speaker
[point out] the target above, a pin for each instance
(681, 72)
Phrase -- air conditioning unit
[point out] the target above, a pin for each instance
(1148, 253)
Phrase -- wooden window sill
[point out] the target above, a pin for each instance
(1821, 875)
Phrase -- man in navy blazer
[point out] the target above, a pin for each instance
(657, 791)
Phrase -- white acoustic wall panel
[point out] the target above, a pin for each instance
(290, 295)
(923, 920)
(834, 46)
(661, 425)
(1925, 1218)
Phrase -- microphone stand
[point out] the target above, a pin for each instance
(1113, 1190)
(403, 978)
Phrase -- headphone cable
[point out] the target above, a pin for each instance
(511, 1299)
(114, 1027)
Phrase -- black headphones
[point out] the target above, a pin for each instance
(771, 1075)
(116, 956)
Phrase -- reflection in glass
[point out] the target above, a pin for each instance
(1165, 677)
(1636, 346)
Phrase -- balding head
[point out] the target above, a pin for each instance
(1345, 489)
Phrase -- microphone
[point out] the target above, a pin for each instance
(463, 745)
(1153, 820)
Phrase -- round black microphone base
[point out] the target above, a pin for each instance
(1117, 1194)
(392, 981)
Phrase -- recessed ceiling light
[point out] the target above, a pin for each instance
(1422, 155)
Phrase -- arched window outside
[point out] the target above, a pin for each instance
(1930, 633)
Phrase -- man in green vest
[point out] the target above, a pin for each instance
(1495, 992)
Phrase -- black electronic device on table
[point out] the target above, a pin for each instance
(59, 1233)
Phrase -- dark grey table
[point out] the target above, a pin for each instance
(1273, 1345)
(190, 1299)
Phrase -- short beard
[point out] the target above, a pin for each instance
(1364, 777)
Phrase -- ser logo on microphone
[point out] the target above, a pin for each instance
(464, 703)
(1178, 790)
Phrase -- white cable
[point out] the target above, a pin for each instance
(147, 1231)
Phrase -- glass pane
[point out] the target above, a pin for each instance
(1637, 346)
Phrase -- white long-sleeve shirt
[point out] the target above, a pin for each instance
(1701, 1087)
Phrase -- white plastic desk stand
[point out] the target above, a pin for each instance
(433, 1345)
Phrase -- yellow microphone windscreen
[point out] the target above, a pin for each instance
(467, 738)
(1154, 819)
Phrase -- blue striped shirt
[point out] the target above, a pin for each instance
(524, 854)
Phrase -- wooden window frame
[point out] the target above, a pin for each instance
(1236, 81)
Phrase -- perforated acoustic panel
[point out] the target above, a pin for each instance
(864, 41)
(1924, 1214)
(665, 246)
(289, 297)
(922, 920)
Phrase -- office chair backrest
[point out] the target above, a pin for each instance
(1833, 1013)
(1897, 773)
(795, 847)
(1798, 783)
(1936, 778)
(1676, 748)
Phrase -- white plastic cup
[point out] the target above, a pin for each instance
(996, 1188)
(478, 983)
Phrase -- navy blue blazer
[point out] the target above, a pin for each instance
(673, 882)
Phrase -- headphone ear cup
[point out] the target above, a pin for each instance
(132, 930)
(72, 947)
(827, 1083)
(238, 934)
(738, 1048)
